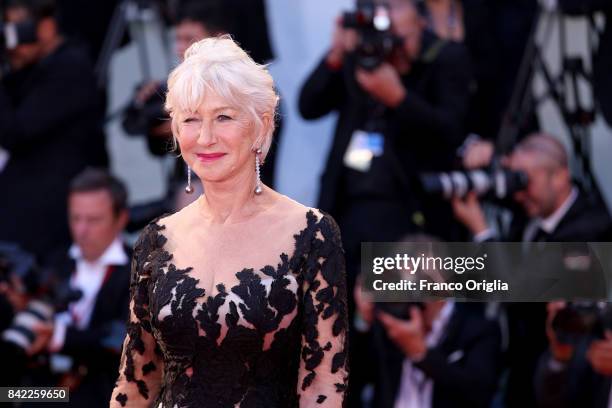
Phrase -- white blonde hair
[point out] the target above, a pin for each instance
(220, 66)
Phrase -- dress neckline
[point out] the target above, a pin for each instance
(281, 269)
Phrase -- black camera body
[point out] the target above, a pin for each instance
(37, 282)
(15, 34)
(580, 320)
(376, 40)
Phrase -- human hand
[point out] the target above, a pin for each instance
(599, 355)
(560, 351)
(408, 335)
(43, 332)
(344, 40)
(478, 154)
(383, 84)
(15, 293)
(363, 302)
(468, 211)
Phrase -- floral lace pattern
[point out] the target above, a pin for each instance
(285, 342)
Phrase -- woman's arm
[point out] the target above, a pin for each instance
(141, 367)
(323, 376)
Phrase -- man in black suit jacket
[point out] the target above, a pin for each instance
(446, 355)
(51, 127)
(574, 375)
(90, 332)
(412, 108)
(554, 210)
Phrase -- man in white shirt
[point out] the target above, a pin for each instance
(439, 354)
(554, 210)
(87, 337)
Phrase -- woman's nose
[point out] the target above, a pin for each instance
(206, 136)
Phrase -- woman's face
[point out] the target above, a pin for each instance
(217, 140)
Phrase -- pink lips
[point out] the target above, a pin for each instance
(209, 157)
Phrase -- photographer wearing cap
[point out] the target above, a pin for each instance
(50, 125)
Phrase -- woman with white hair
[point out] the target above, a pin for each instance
(239, 299)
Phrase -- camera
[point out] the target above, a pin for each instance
(579, 320)
(139, 118)
(497, 183)
(49, 298)
(376, 40)
(14, 34)
(36, 281)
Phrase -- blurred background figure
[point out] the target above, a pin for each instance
(401, 111)
(85, 339)
(50, 126)
(576, 369)
(549, 208)
(431, 354)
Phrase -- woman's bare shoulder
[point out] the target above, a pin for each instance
(178, 220)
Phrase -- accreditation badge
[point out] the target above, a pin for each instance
(363, 147)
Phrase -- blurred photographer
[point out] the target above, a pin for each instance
(401, 111)
(87, 337)
(402, 96)
(576, 370)
(437, 354)
(50, 124)
(554, 209)
(26, 313)
(550, 208)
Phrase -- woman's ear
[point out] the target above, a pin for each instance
(268, 122)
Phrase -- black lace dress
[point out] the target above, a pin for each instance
(181, 360)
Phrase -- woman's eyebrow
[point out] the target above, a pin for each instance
(220, 108)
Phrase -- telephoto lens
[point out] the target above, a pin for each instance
(21, 332)
(498, 184)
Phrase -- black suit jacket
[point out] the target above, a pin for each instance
(51, 124)
(464, 366)
(423, 131)
(84, 346)
(573, 385)
(587, 220)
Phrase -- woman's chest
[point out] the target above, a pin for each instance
(218, 304)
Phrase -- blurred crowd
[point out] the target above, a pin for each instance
(421, 89)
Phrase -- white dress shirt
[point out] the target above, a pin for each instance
(550, 223)
(416, 389)
(88, 278)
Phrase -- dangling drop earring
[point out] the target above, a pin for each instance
(189, 188)
(258, 189)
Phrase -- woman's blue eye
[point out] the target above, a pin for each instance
(223, 117)
(189, 120)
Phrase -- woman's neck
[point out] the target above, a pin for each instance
(233, 200)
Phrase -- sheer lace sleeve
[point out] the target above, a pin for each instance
(141, 364)
(323, 377)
